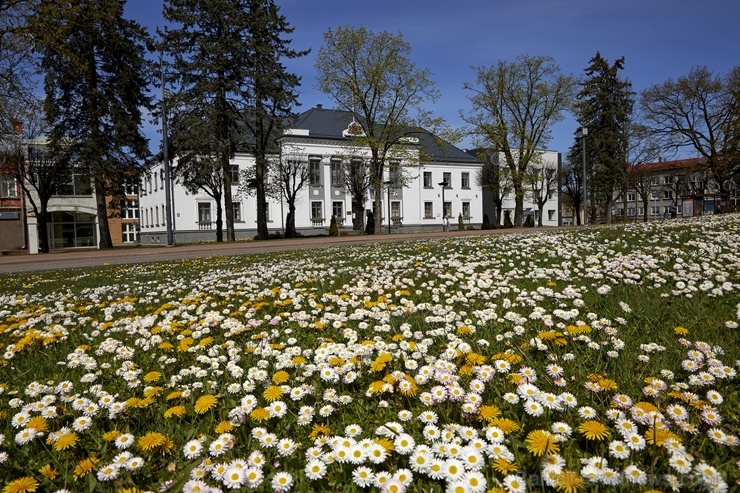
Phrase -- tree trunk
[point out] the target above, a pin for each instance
(228, 201)
(290, 231)
(219, 222)
(358, 214)
(518, 208)
(105, 241)
(43, 232)
(645, 210)
(260, 172)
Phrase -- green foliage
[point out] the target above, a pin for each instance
(95, 81)
(514, 104)
(243, 101)
(372, 76)
(604, 107)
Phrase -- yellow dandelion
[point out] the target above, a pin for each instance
(260, 414)
(506, 425)
(110, 436)
(68, 440)
(658, 436)
(173, 395)
(504, 466)
(594, 430)
(48, 472)
(166, 346)
(151, 440)
(223, 427)
(607, 384)
(38, 423)
(376, 387)
(488, 413)
(541, 442)
(319, 430)
(386, 443)
(21, 485)
(85, 466)
(465, 330)
(175, 412)
(681, 331)
(152, 391)
(298, 360)
(272, 393)
(281, 376)
(152, 376)
(570, 482)
(205, 403)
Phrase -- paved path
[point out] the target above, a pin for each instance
(90, 258)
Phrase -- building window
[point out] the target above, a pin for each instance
(155, 181)
(315, 172)
(631, 211)
(317, 213)
(132, 188)
(79, 183)
(466, 210)
(161, 178)
(428, 210)
(427, 179)
(268, 216)
(7, 186)
(465, 180)
(394, 172)
(655, 210)
(130, 233)
(631, 196)
(448, 209)
(146, 218)
(447, 178)
(550, 214)
(149, 183)
(655, 180)
(336, 173)
(234, 169)
(72, 229)
(667, 195)
(204, 215)
(654, 194)
(156, 212)
(337, 210)
(237, 208)
(395, 210)
(130, 210)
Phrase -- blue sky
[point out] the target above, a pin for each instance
(660, 39)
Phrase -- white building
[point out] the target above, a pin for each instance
(321, 136)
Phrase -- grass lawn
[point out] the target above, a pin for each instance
(602, 358)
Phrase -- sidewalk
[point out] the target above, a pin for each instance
(68, 259)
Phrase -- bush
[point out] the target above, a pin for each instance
(460, 222)
(507, 220)
(529, 221)
(333, 228)
(370, 226)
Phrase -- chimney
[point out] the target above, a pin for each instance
(319, 107)
(18, 127)
(660, 159)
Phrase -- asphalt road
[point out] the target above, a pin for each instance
(69, 259)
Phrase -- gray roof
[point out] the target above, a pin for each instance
(330, 124)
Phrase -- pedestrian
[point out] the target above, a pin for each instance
(445, 223)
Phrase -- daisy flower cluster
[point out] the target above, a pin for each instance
(553, 360)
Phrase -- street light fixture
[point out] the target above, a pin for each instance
(584, 133)
(388, 186)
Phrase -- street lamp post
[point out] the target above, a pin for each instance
(443, 185)
(584, 133)
(166, 159)
(388, 186)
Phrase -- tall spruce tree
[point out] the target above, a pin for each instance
(95, 80)
(231, 90)
(604, 106)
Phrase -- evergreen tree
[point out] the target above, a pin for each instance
(231, 89)
(604, 107)
(95, 83)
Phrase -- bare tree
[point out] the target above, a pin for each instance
(698, 112)
(493, 177)
(542, 180)
(514, 106)
(292, 172)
